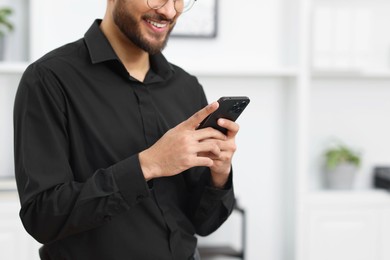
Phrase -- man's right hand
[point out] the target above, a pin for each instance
(181, 147)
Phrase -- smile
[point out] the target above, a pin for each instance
(156, 24)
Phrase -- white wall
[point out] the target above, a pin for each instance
(249, 38)
(60, 22)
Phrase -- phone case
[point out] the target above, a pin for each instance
(229, 108)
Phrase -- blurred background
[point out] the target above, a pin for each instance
(312, 165)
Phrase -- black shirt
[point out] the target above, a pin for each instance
(80, 121)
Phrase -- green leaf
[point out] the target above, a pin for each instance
(4, 22)
(341, 154)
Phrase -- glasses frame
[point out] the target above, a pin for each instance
(174, 4)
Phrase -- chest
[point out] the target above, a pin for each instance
(111, 119)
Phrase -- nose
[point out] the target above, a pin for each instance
(168, 10)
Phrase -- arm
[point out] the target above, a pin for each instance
(55, 203)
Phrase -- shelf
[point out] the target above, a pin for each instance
(371, 197)
(7, 184)
(345, 74)
(261, 73)
(13, 67)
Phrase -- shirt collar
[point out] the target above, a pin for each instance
(100, 50)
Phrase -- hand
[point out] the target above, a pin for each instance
(182, 147)
(222, 161)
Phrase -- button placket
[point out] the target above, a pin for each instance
(148, 114)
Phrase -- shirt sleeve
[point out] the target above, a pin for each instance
(54, 204)
(212, 206)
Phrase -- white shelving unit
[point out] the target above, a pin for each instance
(346, 98)
(350, 68)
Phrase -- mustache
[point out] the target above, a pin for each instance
(157, 17)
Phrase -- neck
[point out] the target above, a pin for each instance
(135, 60)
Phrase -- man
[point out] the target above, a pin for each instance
(109, 164)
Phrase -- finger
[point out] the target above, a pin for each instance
(208, 147)
(210, 155)
(228, 145)
(198, 117)
(203, 161)
(231, 126)
(209, 133)
(227, 149)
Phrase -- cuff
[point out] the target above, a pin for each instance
(213, 195)
(130, 180)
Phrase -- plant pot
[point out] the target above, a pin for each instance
(341, 178)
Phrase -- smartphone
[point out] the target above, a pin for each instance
(229, 108)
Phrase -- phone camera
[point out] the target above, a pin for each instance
(239, 106)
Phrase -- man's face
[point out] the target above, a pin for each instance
(147, 28)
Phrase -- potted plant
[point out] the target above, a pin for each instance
(5, 26)
(341, 164)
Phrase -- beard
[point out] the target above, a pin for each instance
(130, 27)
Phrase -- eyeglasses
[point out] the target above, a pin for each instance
(181, 6)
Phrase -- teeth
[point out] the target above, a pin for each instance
(158, 25)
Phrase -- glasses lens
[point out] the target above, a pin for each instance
(185, 5)
(156, 4)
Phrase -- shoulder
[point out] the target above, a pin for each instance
(42, 76)
(56, 62)
(66, 54)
